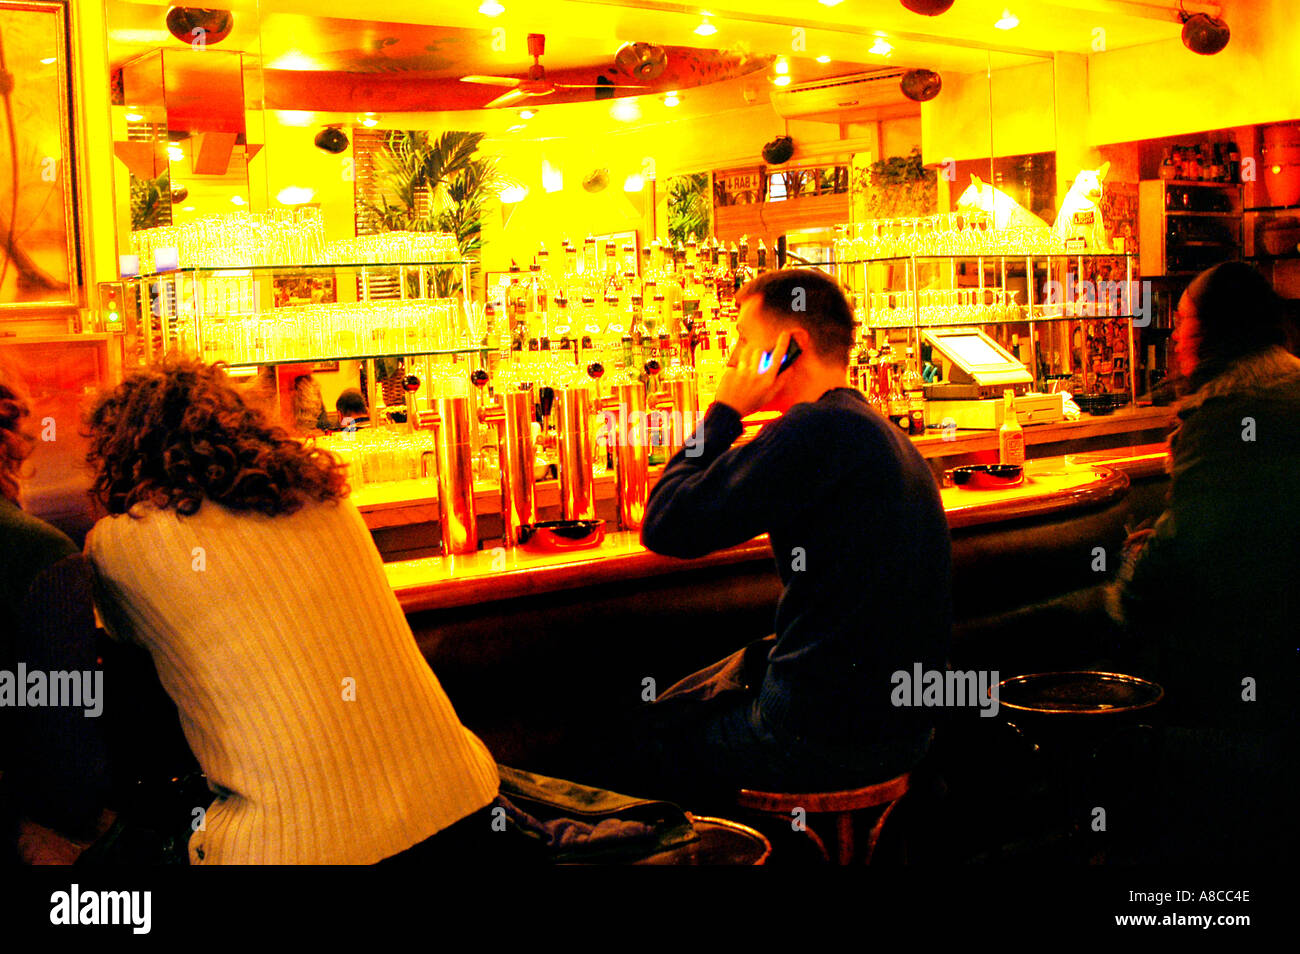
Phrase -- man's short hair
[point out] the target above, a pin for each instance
(810, 299)
(350, 403)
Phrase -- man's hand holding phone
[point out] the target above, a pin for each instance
(751, 381)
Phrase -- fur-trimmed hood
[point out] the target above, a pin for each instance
(1266, 369)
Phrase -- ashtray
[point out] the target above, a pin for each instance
(987, 476)
(555, 536)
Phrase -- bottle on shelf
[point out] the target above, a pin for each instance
(913, 387)
(1167, 168)
(1011, 436)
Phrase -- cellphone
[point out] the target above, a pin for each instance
(792, 352)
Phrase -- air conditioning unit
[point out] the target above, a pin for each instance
(841, 99)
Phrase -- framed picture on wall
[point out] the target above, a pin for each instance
(38, 256)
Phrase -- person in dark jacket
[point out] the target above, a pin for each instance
(862, 548)
(1207, 596)
(52, 756)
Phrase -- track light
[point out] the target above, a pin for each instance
(1204, 34)
(331, 139)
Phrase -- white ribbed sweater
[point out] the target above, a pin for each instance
(253, 636)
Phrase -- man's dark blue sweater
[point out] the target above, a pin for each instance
(862, 546)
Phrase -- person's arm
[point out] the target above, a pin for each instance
(725, 496)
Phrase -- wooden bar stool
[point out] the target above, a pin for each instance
(844, 808)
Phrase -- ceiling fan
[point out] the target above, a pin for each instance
(536, 84)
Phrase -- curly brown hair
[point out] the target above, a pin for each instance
(180, 433)
(15, 442)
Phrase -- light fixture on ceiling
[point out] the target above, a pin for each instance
(596, 180)
(175, 153)
(782, 80)
(527, 113)
(830, 3)
(331, 139)
(634, 183)
(1203, 33)
(516, 127)
(490, 8)
(238, 200)
(705, 28)
(645, 61)
(881, 47)
(626, 110)
(296, 117)
(180, 192)
(369, 120)
(187, 208)
(928, 8)
(1008, 21)
(782, 66)
(295, 195)
(921, 86)
(199, 26)
(49, 61)
(823, 58)
(135, 117)
(671, 98)
(513, 192)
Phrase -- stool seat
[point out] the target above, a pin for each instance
(721, 842)
(840, 806)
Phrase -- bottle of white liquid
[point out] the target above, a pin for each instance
(1011, 436)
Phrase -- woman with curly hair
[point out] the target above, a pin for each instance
(323, 733)
(51, 758)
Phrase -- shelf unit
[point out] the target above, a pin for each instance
(230, 314)
(1177, 240)
(1062, 267)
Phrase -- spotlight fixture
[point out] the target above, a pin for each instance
(645, 61)
(928, 8)
(527, 113)
(626, 110)
(634, 183)
(175, 153)
(671, 98)
(134, 117)
(369, 120)
(295, 195)
(490, 8)
(331, 139)
(49, 60)
(238, 200)
(782, 66)
(596, 180)
(921, 86)
(881, 47)
(823, 58)
(782, 80)
(199, 26)
(1008, 21)
(705, 28)
(179, 193)
(1203, 33)
(830, 3)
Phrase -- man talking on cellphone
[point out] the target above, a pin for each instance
(862, 547)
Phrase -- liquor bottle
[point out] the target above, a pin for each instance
(591, 279)
(913, 387)
(761, 267)
(647, 269)
(560, 323)
(709, 366)
(1234, 163)
(539, 296)
(1011, 436)
(1167, 168)
(691, 294)
(899, 411)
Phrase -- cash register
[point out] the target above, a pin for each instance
(979, 370)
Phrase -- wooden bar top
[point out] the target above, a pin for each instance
(1052, 485)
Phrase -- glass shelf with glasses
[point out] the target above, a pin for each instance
(314, 359)
(964, 257)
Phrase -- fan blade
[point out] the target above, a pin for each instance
(491, 80)
(594, 86)
(509, 99)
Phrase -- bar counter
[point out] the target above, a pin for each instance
(1051, 487)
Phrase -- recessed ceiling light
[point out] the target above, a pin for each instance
(49, 61)
(626, 110)
(296, 117)
(369, 120)
(490, 8)
(634, 183)
(881, 47)
(705, 28)
(671, 98)
(527, 113)
(135, 117)
(782, 66)
(175, 153)
(187, 208)
(515, 128)
(783, 80)
(831, 3)
(238, 200)
(293, 195)
(1009, 21)
(823, 58)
